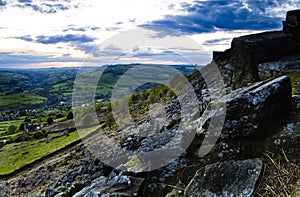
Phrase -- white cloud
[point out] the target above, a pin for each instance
(110, 16)
(219, 35)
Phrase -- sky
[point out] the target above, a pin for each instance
(68, 33)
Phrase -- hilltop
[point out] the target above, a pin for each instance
(257, 148)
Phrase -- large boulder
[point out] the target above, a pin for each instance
(230, 178)
(113, 185)
(223, 61)
(253, 112)
(239, 64)
(278, 68)
(251, 50)
(292, 23)
(287, 140)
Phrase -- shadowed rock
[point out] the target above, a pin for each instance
(113, 185)
(292, 23)
(230, 178)
(254, 112)
(249, 51)
(239, 65)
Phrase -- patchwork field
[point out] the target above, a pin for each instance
(14, 100)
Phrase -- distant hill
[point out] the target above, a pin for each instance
(47, 87)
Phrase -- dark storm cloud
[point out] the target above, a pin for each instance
(64, 39)
(68, 38)
(25, 1)
(2, 3)
(25, 38)
(208, 16)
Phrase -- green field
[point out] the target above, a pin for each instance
(65, 87)
(5, 124)
(15, 100)
(13, 157)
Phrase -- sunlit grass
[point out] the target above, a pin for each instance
(15, 100)
(14, 156)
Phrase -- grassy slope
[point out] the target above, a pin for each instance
(11, 154)
(15, 100)
(5, 124)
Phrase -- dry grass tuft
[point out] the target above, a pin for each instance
(281, 176)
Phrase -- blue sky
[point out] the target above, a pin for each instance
(59, 33)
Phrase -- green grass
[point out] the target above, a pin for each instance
(65, 86)
(60, 119)
(295, 78)
(15, 100)
(12, 158)
(6, 137)
(5, 124)
(85, 132)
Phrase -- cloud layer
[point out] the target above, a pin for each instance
(66, 30)
(46, 6)
(68, 38)
(2, 3)
(210, 16)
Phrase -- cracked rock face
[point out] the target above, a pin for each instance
(256, 111)
(230, 178)
(278, 68)
(239, 64)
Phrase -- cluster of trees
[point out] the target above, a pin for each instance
(15, 133)
(139, 103)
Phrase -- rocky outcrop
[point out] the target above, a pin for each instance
(254, 112)
(292, 23)
(113, 185)
(247, 52)
(231, 178)
(278, 68)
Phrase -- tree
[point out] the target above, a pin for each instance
(98, 107)
(21, 127)
(39, 134)
(50, 120)
(110, 121)
(70, 115)
(11, 129)
(108, 108)
(27, 119)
